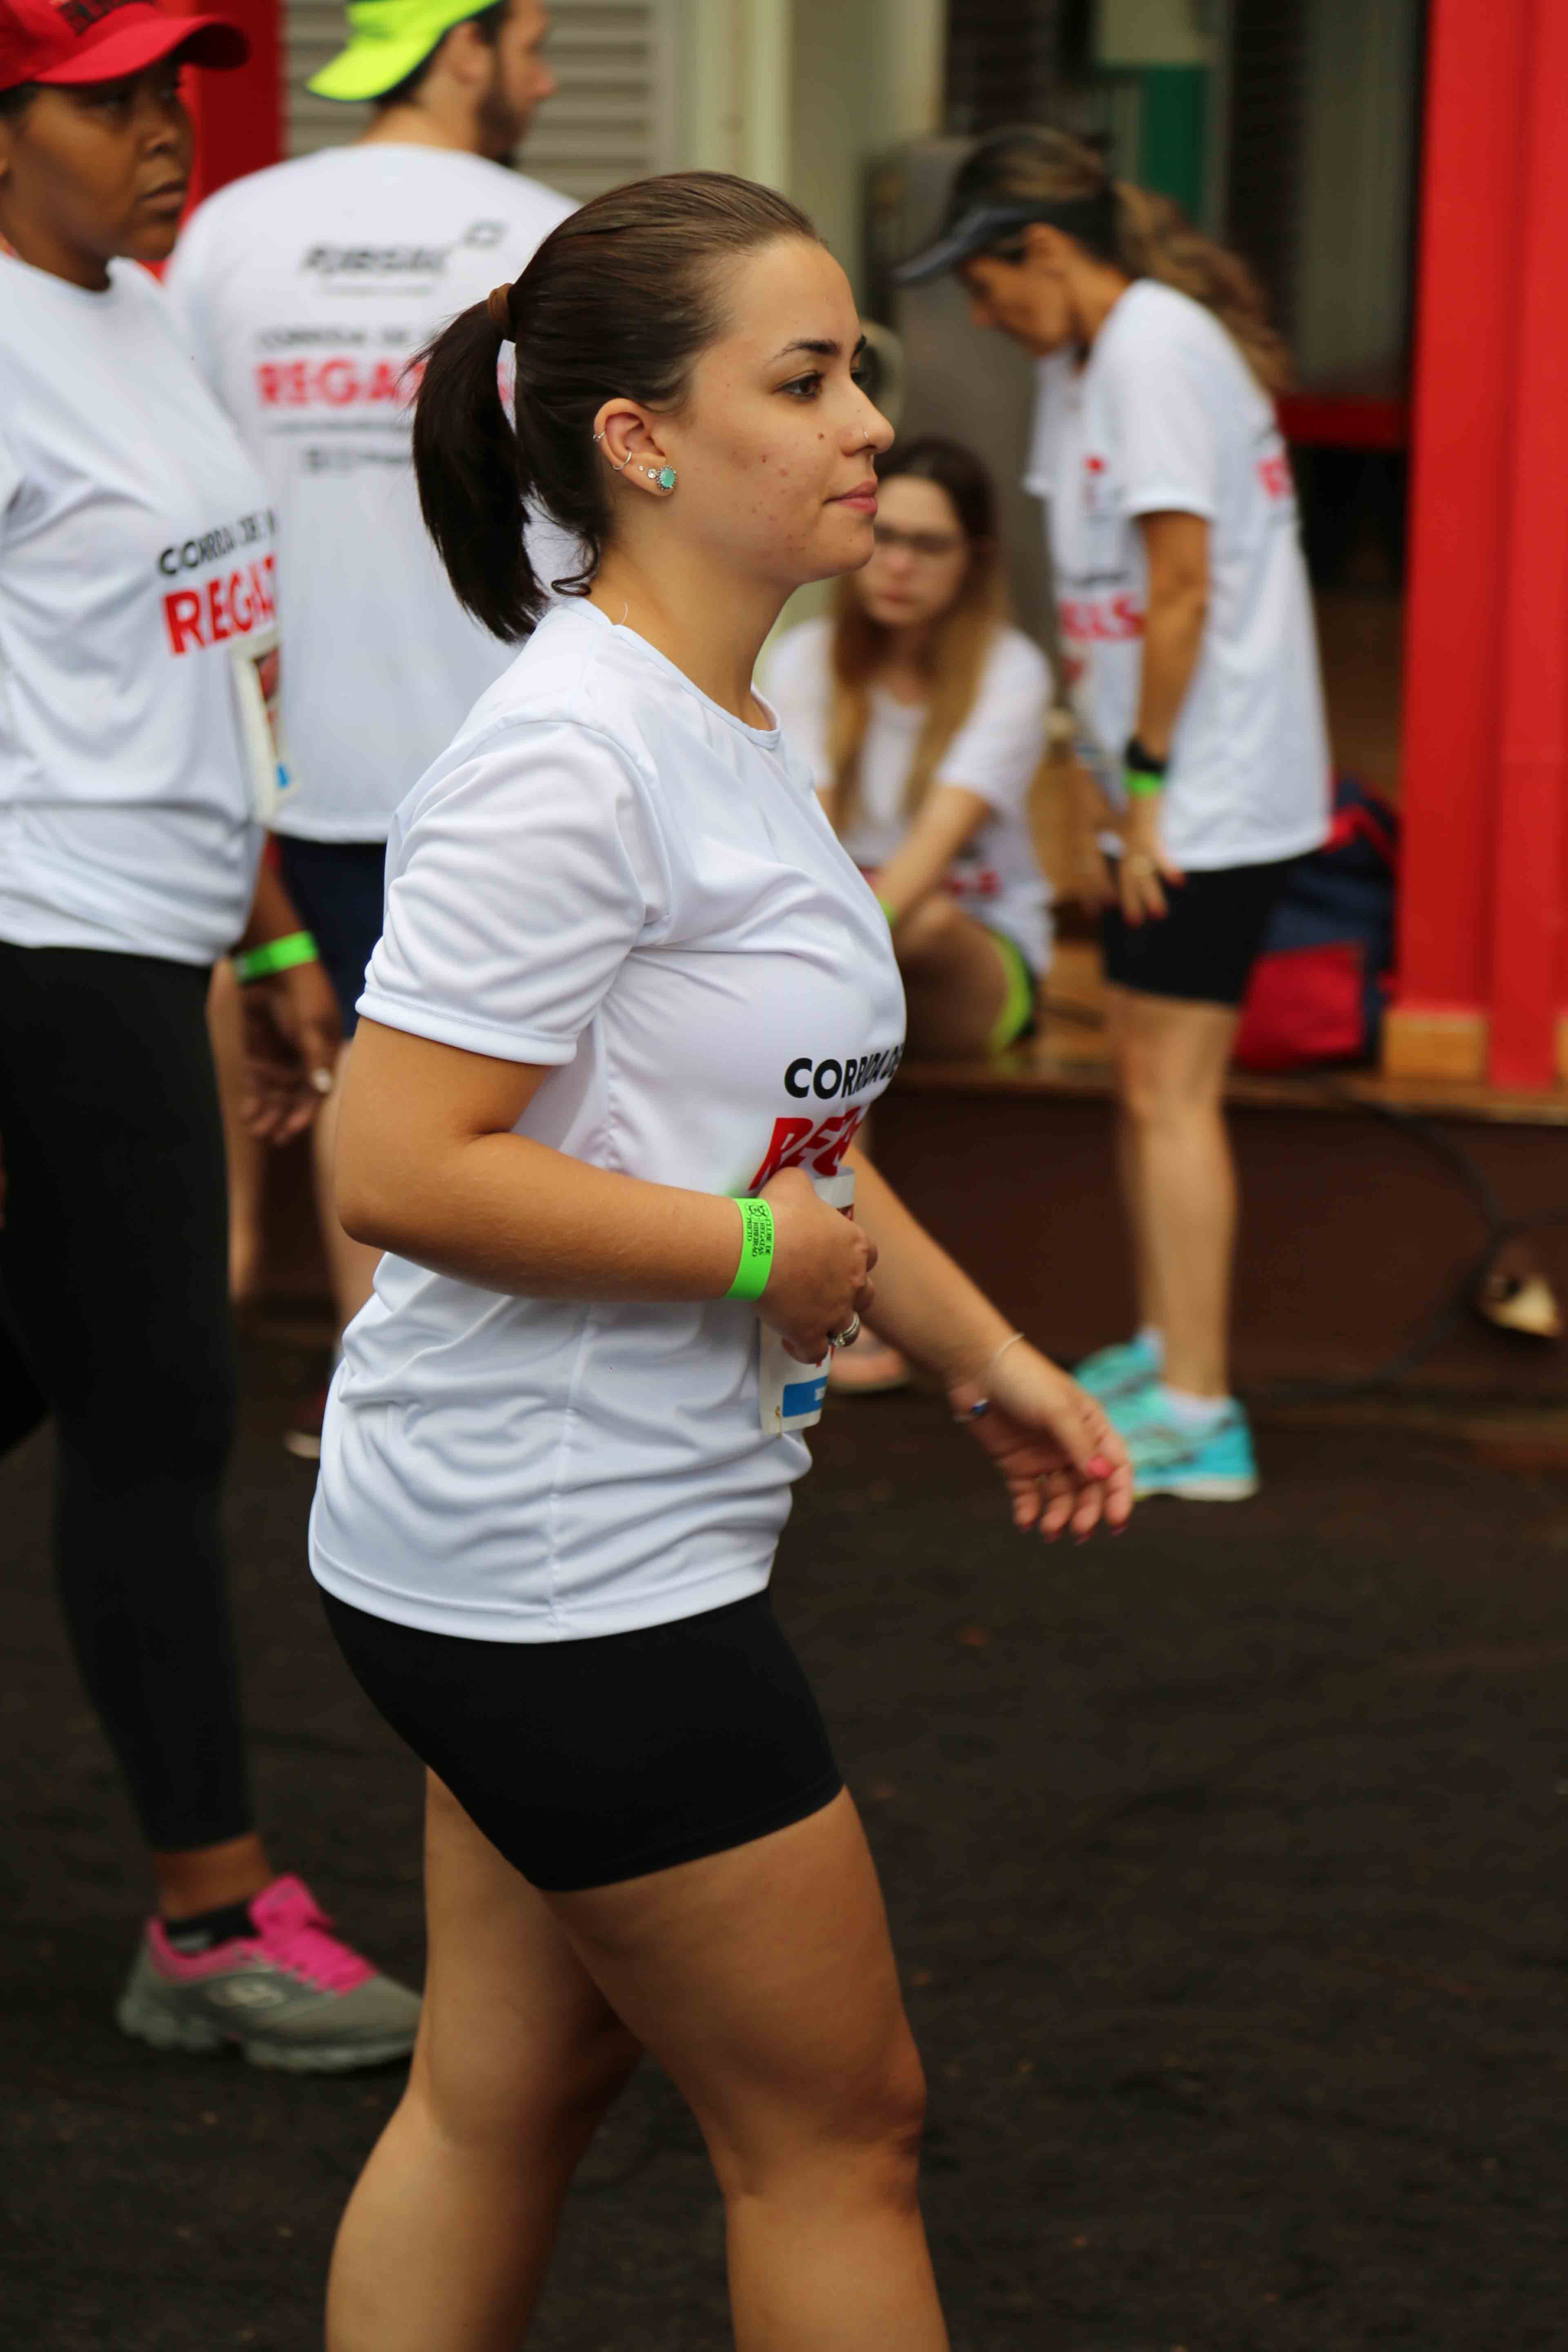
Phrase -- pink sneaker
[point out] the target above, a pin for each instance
(291, 1995)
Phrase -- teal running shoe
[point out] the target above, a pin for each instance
(1207, 1465)
(1113, 1373)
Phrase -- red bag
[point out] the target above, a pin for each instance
(1305, 1005)
(1316, 994)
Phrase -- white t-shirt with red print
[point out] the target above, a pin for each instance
(996, 754)
(609, 876)
(307, 290)
(137, 587)
(1165, 417)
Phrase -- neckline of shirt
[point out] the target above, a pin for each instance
(893, 705)
(118, 273)
(766, 739)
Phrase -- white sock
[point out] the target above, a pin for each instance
(1151, 1341)
(1197, 1413)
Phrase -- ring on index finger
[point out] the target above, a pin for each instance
(850, 1333)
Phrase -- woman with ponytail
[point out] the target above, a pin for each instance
(630, 1005)
(1185, 624)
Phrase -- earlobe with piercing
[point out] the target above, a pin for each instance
(664, 475)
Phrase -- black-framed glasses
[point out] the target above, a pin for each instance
(930, 545)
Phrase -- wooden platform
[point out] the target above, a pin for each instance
(1353, 1224)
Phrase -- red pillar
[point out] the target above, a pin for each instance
(1466, 308)
(1532, 773)
(240, 117)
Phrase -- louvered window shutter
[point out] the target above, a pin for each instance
(1003, 63)
(614, 118)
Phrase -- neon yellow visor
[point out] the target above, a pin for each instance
(389, 39)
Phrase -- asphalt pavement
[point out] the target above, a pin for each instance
(1224, 1862)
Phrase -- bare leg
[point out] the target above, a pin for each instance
(1173, 1065)
(763, 1981)
(446, 2237)
(954, 979)
(351, 1264)
(1129, 1172)
(246, 1157)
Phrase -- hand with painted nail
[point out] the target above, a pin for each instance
(292, 1038)
(1064, 1466)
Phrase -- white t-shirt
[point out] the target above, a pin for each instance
(308, 289)
(995, 754)
(609, 874)
(136, 579)
(1166, 415)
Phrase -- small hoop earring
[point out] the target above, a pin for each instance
(626, 461)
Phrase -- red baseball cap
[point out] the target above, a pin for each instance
(69, 41)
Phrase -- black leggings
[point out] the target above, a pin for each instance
(114, 1299)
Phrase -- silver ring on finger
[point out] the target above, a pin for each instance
(847, 1337)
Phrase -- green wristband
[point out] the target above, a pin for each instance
(756, 1248)
(887, 910)
(1139, 786)
(276, 955)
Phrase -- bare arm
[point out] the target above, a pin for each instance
(1177, 550)
(289, 1022)
(951, 817)
(926, 1305)
(427, 1166)
(1063, 1464)
(1176, 547)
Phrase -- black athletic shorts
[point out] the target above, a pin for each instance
(589, 1762)
(338, 888)
(1205, 947)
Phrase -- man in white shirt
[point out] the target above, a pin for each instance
(307, 290)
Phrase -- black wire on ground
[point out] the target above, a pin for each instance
(1460, 1296)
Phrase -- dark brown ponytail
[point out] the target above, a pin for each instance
(1145, 234)
(620, 299)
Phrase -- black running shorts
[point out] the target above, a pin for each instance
(588, 1762)
(1205, 947)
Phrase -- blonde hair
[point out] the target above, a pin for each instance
(958, 650)
(1145, 234)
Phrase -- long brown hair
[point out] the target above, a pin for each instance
(959, 644)
(1145, 234)
(622, 298)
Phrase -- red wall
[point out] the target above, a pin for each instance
(240, 116)
(1486, 725)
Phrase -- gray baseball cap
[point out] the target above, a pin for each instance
(973, 230)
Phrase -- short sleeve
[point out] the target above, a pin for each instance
(795, 683)
(518, 882)
(1167, 446)
(997, 751)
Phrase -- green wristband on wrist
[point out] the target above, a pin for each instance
(756, 1248)
(1142, 775)
(276, 955)
(887, 910)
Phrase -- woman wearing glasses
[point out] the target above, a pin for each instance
(922, 716)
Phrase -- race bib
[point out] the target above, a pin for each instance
(256, 680)
(790, 1394)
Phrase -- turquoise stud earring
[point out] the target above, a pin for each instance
(663, 475)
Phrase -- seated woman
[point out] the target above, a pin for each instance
(923, 715)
